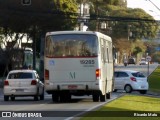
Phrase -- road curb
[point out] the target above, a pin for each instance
(78, 116)
(155, 94)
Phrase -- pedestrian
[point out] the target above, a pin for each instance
(30, 67)
(25, 66)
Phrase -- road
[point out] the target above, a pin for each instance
(142, 68)
(78, 105)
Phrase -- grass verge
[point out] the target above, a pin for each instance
(154, 81)
(125, 108)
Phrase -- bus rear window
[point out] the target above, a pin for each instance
(71, 45)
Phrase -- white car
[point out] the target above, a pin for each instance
(143, 62)
(23, 83)
(130, 80)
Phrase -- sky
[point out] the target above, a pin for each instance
(147, 6)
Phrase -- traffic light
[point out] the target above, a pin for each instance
(148, 50)
(26, 2)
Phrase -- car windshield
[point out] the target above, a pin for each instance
(143, 59)
(20, 75)
(138, 74)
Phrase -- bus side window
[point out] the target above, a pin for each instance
(106, 52)
(110, 52)
(102, 50)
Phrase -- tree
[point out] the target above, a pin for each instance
(125, 24)
(41, 13)
(123, 47)
(12, 52)
(141, 24)
(36, 19)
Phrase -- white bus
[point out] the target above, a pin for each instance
(78, 63)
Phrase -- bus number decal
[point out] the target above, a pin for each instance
(87, 61)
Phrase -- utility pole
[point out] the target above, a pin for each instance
(34, 47)
(81, 16)
(97, 21)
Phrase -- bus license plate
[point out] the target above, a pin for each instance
(142, 86)
(72, 86)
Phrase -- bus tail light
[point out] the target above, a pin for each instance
(46, 74)
(98, 73)
(6, 83)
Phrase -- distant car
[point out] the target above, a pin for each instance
(23, 83)
(130, 80)
(131, 61)
(143, 62)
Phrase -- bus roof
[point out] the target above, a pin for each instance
(78, 32)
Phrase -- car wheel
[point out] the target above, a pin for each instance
(115, 90)
(6, 97)
(143, 91)
(42, 95)
(13, 98)
(36, 98)
(55, 97)
(128, 89)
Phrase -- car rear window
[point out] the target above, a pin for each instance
(20, 75)
(120, 74)
(138, 74)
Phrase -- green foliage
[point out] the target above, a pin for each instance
(1, 36)
(138, 47)
(137, 50)
(154, 80)
(38, 18)
(41, 13)
(140, 29)
(156, 57)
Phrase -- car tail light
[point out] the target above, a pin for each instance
(133, 79)
(46, 74)
(98, 73)
(6, 83)
(33, 82)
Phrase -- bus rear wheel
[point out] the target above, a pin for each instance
(65, 96)
(108, 95)
(95, 96)
(102, 98)
(55, 96)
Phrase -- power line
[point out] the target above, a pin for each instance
(154, 4)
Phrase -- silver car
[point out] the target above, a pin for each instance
(130, 80)
(143, 62)
(23, 83)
